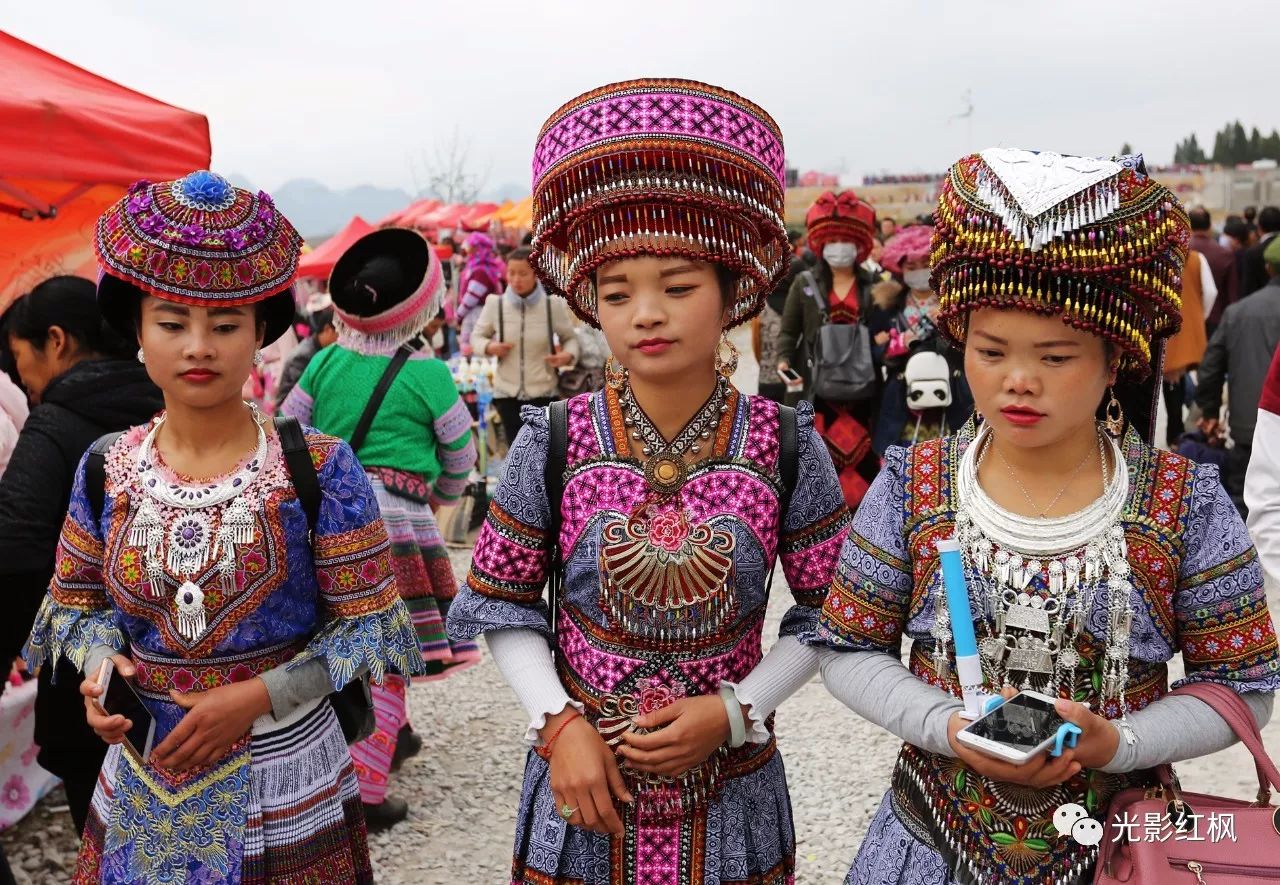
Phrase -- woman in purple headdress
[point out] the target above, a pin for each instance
(234, 572)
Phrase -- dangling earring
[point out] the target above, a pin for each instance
(726, 366)
(1114, 420)
(142, 357)
(615, 374)
(257, 358)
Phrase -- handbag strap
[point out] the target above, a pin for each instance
(557, 461)
(1236, 713)
(302, 470)
(406, 350)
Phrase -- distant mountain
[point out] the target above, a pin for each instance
(318, 211)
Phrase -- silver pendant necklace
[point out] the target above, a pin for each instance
(665, 469)
(190, 541)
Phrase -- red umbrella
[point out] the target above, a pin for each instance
(319, 262)
(70, 143)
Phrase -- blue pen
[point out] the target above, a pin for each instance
(968, 663)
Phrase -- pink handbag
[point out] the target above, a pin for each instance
(1251, 858)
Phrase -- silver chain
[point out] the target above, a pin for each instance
(691, 436)
(1088, 456)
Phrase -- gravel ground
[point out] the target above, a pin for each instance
(464, 787)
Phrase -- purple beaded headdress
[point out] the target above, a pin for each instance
(197, 241)
(659, 167)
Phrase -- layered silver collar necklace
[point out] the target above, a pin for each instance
(1037, 578)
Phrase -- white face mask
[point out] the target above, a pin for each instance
(917, 280)
(840, 254)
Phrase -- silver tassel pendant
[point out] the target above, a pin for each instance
(191, 615)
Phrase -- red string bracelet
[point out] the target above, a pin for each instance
(545, 750)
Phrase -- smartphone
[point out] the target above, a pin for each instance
(1016, 730)
(119, 697)
(791, 378)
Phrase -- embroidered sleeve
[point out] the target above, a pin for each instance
(504, 587)
(365, 624)
(813, 529)
(76, 614)
(1225, 632)
(866, 609)
(455, 443)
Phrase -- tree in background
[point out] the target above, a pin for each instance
(1126, 149)
(1189, 151)
(1231, 145)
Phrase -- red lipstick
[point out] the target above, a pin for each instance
(653, 346)
(1022, 416)
(199, 376)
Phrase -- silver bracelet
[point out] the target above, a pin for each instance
(737, 723)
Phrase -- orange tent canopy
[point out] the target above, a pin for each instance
(319, 262)
(70, 143)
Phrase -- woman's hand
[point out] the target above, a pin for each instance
(558, 360)
(1041, 770)
(688, 731)
(1099, 738)
(215, 720)
(585, 775)
(499, 348)
(111, 729)
(882, 338)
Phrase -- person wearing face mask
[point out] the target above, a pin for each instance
(836, 291)
(417, 449)
(905, 325)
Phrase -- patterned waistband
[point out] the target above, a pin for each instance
(157, 675)
(402, 483)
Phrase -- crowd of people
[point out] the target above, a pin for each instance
(246, 531)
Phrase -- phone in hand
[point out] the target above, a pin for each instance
(1015, 731)
(119, 697)
(791, 378)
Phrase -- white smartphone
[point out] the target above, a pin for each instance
(791, 378)
(119, 697)
(1018, 729)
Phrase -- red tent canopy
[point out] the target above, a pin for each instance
(70, 143)
(477, 217)
(404, 217)
(319, 261)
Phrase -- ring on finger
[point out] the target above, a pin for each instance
(567, 811)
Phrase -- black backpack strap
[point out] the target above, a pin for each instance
(95, 472)
(302, 470)
(408, 349)
(557, 462)
(788, 470)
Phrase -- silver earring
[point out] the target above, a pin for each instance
(257, 358)
(142, 357)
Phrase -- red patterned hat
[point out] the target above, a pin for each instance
(841, 218)
(1095, 241)
(197, 241)
(659, 167)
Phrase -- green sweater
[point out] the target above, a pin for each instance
(422, 426)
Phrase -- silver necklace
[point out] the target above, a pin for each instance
(187, 544)
(665, 469)
(1029, 632)
(1088, 456)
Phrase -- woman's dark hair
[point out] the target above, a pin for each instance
(1236, 227)
(374, 287)
(520, 253)
(320, 320)
(71, 304)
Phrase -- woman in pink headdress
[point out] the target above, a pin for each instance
(657, 214)
(913, 406)
(482, 275)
